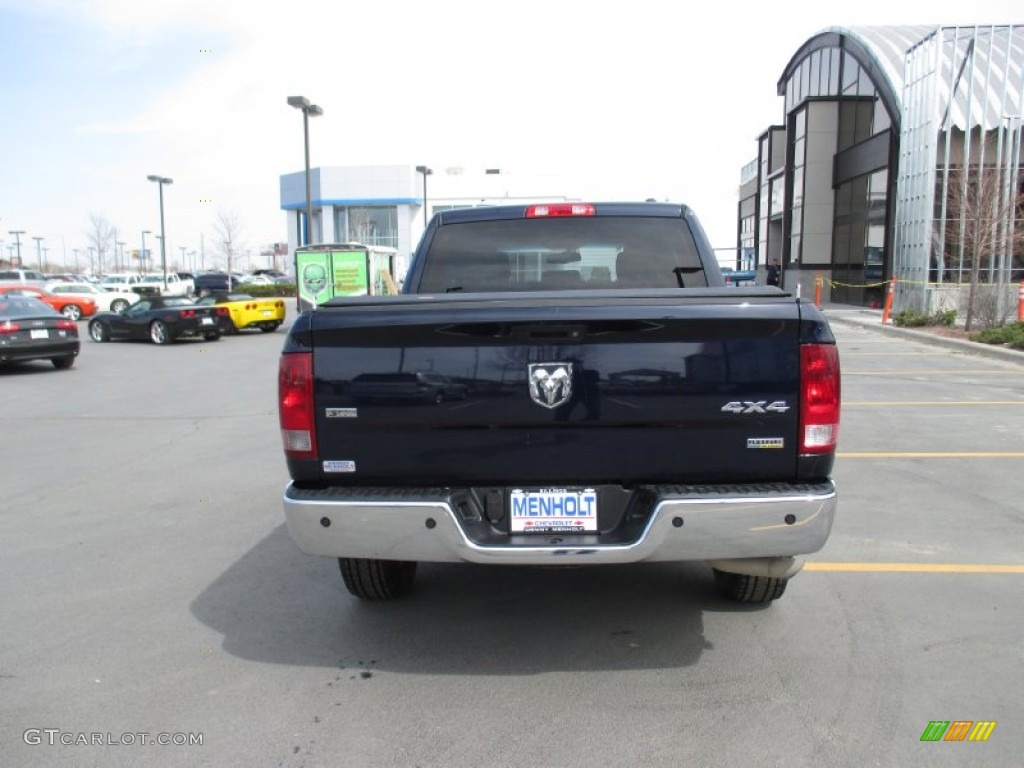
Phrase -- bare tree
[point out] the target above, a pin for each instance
(227, 226)
(100, 235)
(985, 229)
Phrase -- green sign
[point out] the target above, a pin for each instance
(349, 273)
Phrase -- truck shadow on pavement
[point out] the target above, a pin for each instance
(280, 606)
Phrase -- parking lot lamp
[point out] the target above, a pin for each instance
(160, 181)
(17, 241)
(426, 172)
(39, 251)
(142, 253)
(308, 111)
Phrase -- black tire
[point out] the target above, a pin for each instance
(741, 588)
(72, 312)
(377, 579)
(98, 331)
(118, 305)
(159, 333)
(269, 328)
(63, 363)
(211, 336)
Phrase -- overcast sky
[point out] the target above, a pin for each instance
(620, 101)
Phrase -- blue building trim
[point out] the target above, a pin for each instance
(339, 203)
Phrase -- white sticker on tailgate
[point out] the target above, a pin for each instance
(553, 510)
(339, 466)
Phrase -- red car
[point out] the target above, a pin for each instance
(72, 307)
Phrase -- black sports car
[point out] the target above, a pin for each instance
(32, 330)
(161, 319)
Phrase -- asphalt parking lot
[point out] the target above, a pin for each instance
(150, 588)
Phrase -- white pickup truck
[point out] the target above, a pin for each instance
(175, 285)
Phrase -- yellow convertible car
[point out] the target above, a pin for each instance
(245, 311)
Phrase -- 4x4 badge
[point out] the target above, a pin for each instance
(550, 383)
(755, 406)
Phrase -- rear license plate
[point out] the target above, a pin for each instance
(207, 321)
(268, 312)
(553, 510)
(37, 334)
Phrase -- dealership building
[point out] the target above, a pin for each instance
(899, 155)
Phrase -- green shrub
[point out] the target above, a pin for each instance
(912, 318)
(265, 291)
(1009, 335)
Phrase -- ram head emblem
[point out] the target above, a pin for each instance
(550, 383)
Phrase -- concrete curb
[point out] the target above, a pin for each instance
(872, 321)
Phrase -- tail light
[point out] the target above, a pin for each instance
(222, 311)
(184, 314)
(295, 405)
(9, 327)
(819, 398)
(67, 325)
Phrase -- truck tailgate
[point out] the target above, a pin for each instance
(553, 390)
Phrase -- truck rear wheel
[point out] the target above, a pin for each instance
(377, 579)
(741, 588)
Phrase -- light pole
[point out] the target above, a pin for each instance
(17, 241)
(308, 111)
(92, 261)
(142, 253)
(160, 181)
(120, 244)
(228, 244)
(426, 172)
(39, 251)
(183, 266)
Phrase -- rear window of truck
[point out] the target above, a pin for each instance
(563, 253)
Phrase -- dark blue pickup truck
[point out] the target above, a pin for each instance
(617, 403)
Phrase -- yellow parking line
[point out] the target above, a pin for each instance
(934, 373)
(934, 402)
(847, 355)
(933, 455)
(912, 567)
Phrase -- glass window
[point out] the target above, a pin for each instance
(373, 226)
(843, 205)
(851, 72)
(864, 85)
(800, 123)
(865, 111)
(798, 186)
(814, 89)
(882, 121)
(878, 184)
(563, 253)
(776, 195)
(833, 72)
(841, 247)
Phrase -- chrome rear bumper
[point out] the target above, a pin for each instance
(699, 523)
